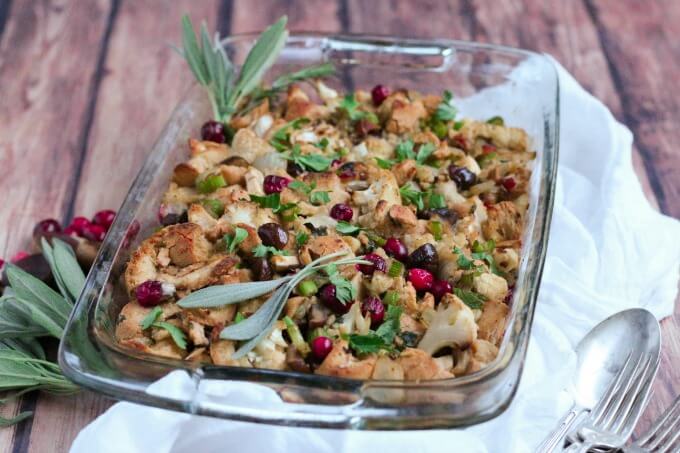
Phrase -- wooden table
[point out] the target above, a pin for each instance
(85, 87)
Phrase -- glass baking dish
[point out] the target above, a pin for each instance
(487, 80)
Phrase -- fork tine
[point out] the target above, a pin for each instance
(636, 397)
(655, 438)
(624, 373)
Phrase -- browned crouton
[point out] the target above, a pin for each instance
(503, 222)
(186, 244)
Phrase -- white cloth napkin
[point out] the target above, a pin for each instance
(609, 250)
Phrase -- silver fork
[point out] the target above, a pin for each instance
(662, 435)
(613, 418)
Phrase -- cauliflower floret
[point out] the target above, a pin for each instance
(270, 352)
(453, 324)
(354, 322)
(383, 187)
(248, 213)
(491, 286)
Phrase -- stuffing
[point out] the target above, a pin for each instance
(341, 363)
(344, 172)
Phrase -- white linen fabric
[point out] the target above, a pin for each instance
(609, 250)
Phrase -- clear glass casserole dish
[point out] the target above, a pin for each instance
(487, 80)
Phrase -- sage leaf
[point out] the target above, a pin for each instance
(46, 307)
(15, 322)
(4, 422)
(253, 325)
(48, 253)
(263, 54)
(215, 296)
(67, 267)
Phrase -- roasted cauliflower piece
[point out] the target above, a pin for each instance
(452, 325)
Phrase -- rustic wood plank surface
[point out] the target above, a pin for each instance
(86, 87)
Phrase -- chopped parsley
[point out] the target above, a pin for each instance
(424, 153)
(351, 108)
(412, 196)
(347, 228)
(385, 164)
(322, 144)
(301, 239)
(232, 241)
(382, 337)
(316, 198)
(496, 120)
(446, 111)
(436, 201)
(261, 250)
(151, 320)
(272, 201)
(345, 292)
(281, 138)
(312, 162)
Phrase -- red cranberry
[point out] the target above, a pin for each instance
(374, 307)
(460, 141)
(420, 279)
(18, 256)
(335, 163)
(2, 263)
(94, 232)
(78, 224)
(341, 211)
(424, 257)
(378, 264)
(104, 218)
(149, 293)
(214, 132)
(327, 295)
(321, 347)
(488, 149)
(440, 288)
(379, 93)
(46, 228)
(275, 184)
(463, 177)
(508, 183)
(395, 248)
(70, 231)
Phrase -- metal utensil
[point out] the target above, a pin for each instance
(611, 422)
(663, 436)
(600, 355)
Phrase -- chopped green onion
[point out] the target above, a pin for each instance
(210, 183)
(396, 269)
(296, 336)
(391, 297)
(435, 227)
(439, 129)
(377, 239)
(307, 288)
(214, 207)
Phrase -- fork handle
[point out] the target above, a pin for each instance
(563, 426)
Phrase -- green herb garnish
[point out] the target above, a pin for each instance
(301, 239)
(347, 228)
(261, 250)
(312, 162)
(281, 138)
(210, 183)
(446, 111)
(344, 290)
(412, 196)
(470, 298)
(496, 120)
(232, 241)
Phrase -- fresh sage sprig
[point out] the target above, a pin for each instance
(216, 73)
(30, 309)
(259, 325)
